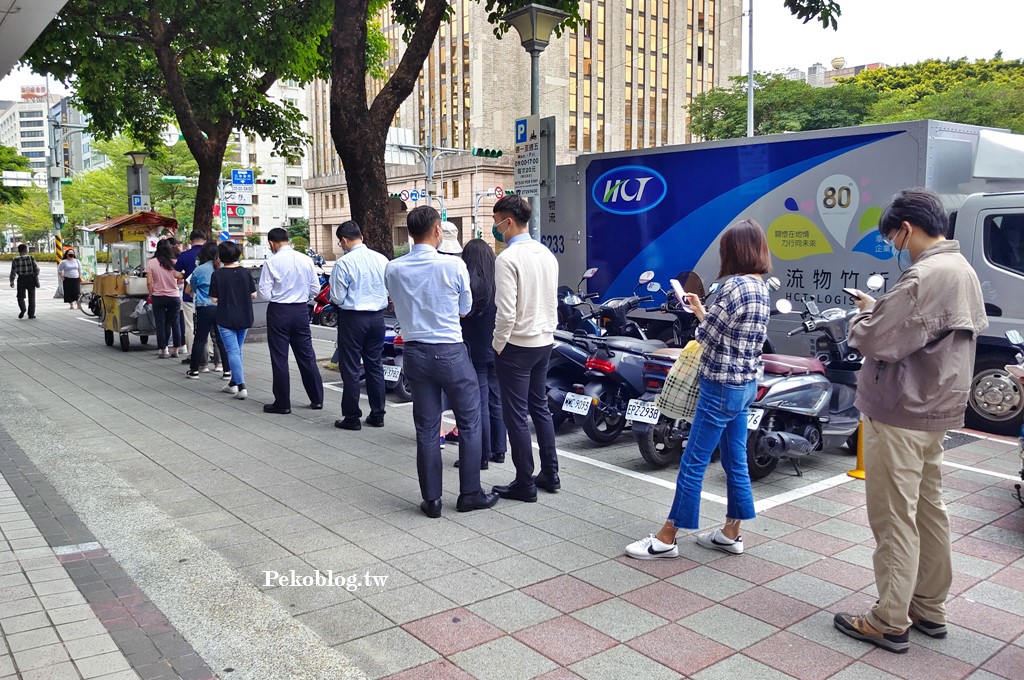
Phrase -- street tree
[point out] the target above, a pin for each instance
(10, 160)
(29, 217)
(207, 65)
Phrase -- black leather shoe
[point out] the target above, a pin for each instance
(513, 492)
(498, 458)
(551, 483)
(431, 509)
(274, 408)
(317, 407)
(483, 466)
(374, 422)
(348, 424)
(476, 501)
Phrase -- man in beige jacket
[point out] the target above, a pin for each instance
(918, 342)
(525, 283)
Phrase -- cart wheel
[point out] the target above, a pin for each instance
(126, 342)
(144, 339)
(108, 337)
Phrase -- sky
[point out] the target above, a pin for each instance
(888, 31)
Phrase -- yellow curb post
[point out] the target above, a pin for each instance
(858, 472)
(58, 251)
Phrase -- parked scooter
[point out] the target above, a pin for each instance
(570, 316)
(394, 375)
(806, 404)
(1017, 371)
(325, 312)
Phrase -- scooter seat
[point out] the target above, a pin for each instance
(633, 345)
(669, 352)
(783, 364)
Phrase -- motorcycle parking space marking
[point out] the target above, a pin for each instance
(336, 386)
(981, 471)
(797, 494)
(82, 318)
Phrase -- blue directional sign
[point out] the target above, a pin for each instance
(240, 177)
(414, 195)
(224, 236)
(522, 129)
(136, 202)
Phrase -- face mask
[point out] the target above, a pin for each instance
(901, 251)
(499, 236)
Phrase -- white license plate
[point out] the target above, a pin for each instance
(392, 373)
(754, 417)
(577, 403)
(642, 411)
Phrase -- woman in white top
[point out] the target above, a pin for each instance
(69, 271)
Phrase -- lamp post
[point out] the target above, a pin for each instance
(534, 24)
(138, 181)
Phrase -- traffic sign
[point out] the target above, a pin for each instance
(498, 192)
(136, 202)
(243, 177)
(242, 188)
(233, 210)
(414, 194)
(225, 236)
(404, 194)
(527, 163)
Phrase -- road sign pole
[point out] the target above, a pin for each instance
(222, 187)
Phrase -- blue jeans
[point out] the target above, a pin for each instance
(721, 420)
(233, 339)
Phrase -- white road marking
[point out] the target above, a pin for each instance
(796, 494)
(82, 318)
(1003, 440)
(77, 548)
(336, 386)
(980, 471)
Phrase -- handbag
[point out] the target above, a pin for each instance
(678, 398)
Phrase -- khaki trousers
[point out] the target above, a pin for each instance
(913, 558)
(188, 309)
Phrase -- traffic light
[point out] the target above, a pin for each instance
(486, 153)
(395, 195)
(510, 192)
(268, 180)
(173, 179)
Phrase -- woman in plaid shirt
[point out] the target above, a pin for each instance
(732, 332)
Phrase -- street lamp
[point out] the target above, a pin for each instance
(138, 181)
(534, 24)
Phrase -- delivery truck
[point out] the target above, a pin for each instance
(819, 195)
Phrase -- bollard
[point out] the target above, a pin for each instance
(858, 472)
(58, 250)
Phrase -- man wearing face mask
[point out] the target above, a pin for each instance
(526, 283)
(288, 281)
(918, 342)
(357, 288)
(431, 292)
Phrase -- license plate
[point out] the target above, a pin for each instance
(754, 417)
(577, 403)
(642, 411)
(392, 373)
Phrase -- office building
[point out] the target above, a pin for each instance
(23, 125)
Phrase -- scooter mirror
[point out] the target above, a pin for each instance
(714, 288)
(589, 274)
(1014, 337)
(653, 287)
(784, 306)
(646, 277)
(773, 283)
(876, 282)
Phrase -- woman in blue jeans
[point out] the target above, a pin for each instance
(731, 333)
(233, 289)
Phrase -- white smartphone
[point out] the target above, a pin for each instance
(677, 288)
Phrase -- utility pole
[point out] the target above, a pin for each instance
(477, 195)
(57, 132)
(750, 70)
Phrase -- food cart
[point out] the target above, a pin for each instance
(130, 241)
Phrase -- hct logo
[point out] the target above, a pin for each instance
(629, 190)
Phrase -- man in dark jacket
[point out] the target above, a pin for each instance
(25, 269)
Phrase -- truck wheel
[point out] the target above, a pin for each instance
(126, 342)
(600, 427)
(996, 404)
(329, 318)
(654, 446)
(108, 337)
(759, 463)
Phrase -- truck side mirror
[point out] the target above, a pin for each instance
(773, 283)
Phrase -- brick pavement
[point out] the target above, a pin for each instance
(523, 590)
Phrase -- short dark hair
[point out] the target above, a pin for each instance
(919, 206)
(229, 252)
(349, 230)
(22, 248)
(208, 252)
(69, 253)
(277, 235)
(197, 236)
(744, 250)
(421, 220)
(516, 206)
(173, 241)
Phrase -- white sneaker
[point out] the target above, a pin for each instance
(230, 388)
(218, 368)
(651, 548)
(242, 393)
(716, 540)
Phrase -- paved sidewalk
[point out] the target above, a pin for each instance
(524, 590)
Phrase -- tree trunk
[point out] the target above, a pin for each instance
(363, 158)
(206, 196)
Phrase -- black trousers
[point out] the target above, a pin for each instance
(494, 436)
(288, 326)
(431, 369)
(206, 323)
(27, 284)
(166, 310)
(361, 337)
(521, 375)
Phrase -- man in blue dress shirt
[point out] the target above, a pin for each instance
(431, 293)
(357, 288)
(288, 281)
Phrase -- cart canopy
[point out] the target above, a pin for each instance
(150, 220)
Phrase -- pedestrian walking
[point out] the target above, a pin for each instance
(287, 282)
(186, 263)
(731, 333)
(206, 311)
(357, 288)
(918, 342)
(526, 292)
(26, 271)
(233, 289)
(69, 271)
(162, 281)
(430, 293)
(478, 333)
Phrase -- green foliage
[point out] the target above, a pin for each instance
(253, 239)
(10, 160)
(299, 228)
(300, 243)
(31, 217)
(825, 11)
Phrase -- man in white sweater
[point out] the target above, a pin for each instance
(526, 283)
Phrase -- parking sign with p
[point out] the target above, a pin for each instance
(522, 129)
